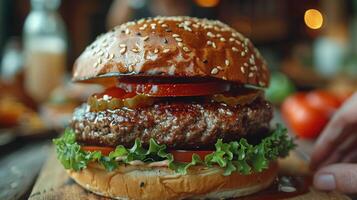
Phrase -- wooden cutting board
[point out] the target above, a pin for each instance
(53, 182)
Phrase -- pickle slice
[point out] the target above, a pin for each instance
(238, 99)
(100, 104)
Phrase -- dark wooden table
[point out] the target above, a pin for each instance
(20, 164)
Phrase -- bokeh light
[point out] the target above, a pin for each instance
(313, 19)
(207, 3)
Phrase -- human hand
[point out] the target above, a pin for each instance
(336, 150)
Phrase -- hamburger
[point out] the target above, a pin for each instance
(182, 114)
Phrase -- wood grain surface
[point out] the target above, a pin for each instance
(54, 184)
(19, 166)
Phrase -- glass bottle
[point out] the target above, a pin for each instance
(45, 47)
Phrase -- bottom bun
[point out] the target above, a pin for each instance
(143, 182)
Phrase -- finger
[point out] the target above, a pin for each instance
(342, 150)
(340, 177)
(333, 134)
(350, 157)
(329, 160)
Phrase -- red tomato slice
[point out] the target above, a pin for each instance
(117, 93)
(324, 101)
(103, 150)
(175, 89)
(305, 120)
(186, 156)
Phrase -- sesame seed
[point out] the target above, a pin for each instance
(145, 38)
(135, 50)
(123, 50)
(101, 53)
(122, 45)
(242, 53)
(156, 50)
(153, 26)
(231, 39)
(111, 56)
(160, 22)
(250, 75)
(168, 30)
(226, 62)
(214, 71)
(180, 25)
(188, 23)
(234, 49)
(214, 45)
(245, 64)
(143, 27)
(246, 41)
(178, 39)
(219, 67)
(175, 35)
(99, 61)
(127, 31)
(224, 78)
(209, 42)
(242, 69)
(107, 55)
(210, 34)
(187, 28)
(251, 61)
(222, 39)
(166, 50)
(186, 49)
(219, 35)
(137, 45)
(195, 26)
(164, 25)
(130, 68)
(180, 44)
(237, 42)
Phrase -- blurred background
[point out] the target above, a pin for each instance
(311, 48)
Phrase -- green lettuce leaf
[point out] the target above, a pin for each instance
(237, 156)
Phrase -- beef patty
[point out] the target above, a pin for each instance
(178, 125)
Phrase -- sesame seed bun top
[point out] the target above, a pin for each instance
(173, 46)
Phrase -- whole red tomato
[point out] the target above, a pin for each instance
(304, 119)
(324, 101)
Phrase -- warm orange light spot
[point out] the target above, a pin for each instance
(313, 19)
(207, 3)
